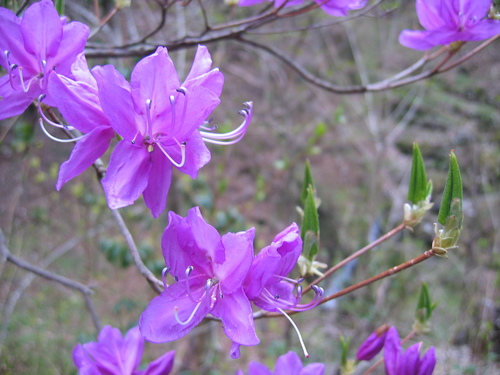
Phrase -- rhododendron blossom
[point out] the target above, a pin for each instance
(113, 354)
(162, 123)
(209, 270)
(32, 48)
(448, 21)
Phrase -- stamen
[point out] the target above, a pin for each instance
(149, 124)
(135, 137)
(183, 153)
(47, 120)
(233, 136)
(11, 75)
(183, 91)
(172, 104)
(43, 73)
(58, 139)
(208, 128)
(176, 314)
(164, 274)
(306, 354)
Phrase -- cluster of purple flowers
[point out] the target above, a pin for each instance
(161, 121)
(219, 275)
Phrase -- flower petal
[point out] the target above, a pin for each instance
(158, 322)
(42, 30)
(256, 368)
(132, 350)
(239, 255)
(116, 102)
(427, 363)
(371, 346)
(410, 360)
(175, 257)
(201, 242)
(127, 175)
(154, 78)
(197, 154)
(429, 14)
(86, 151)
(74, 38)
(236, 314)
(162, 365)
(10, 40)
(160, 176)
(14, 102)
(288, 364)
(392, 352)
(78, 102)
(313, 369)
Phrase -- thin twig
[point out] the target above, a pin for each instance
(156, 284)
(6, 255)
(357, 254)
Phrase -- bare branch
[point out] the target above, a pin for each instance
(156, 284)
(72, 284)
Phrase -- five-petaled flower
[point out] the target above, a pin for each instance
(209, 270)
(113, 354)
(448, 21)
(31, 49)
(162, 123)
(335, 8)
(409, 362)
(288, 363)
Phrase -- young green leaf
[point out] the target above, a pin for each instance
(310, 226)
(451, 204)
(308, 180)
(417, 191)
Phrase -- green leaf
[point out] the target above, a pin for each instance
(344, 349)
(308, 180)
(417, 191)
(60, 7)
(425, 305)
(310, 226)
(451, 204)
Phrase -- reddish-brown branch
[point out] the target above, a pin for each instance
(357, 254)
(392, 271)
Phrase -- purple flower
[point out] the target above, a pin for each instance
(159, 120)
(335, 8)
(287, 364)
(409, 362)
(266, 284)
(209, 270)
(78, 102)
(448, 21)
(31, 49)
(114, 355)
(373, 344)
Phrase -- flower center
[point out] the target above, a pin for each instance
(18, 77)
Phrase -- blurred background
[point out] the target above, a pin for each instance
(359, 147)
